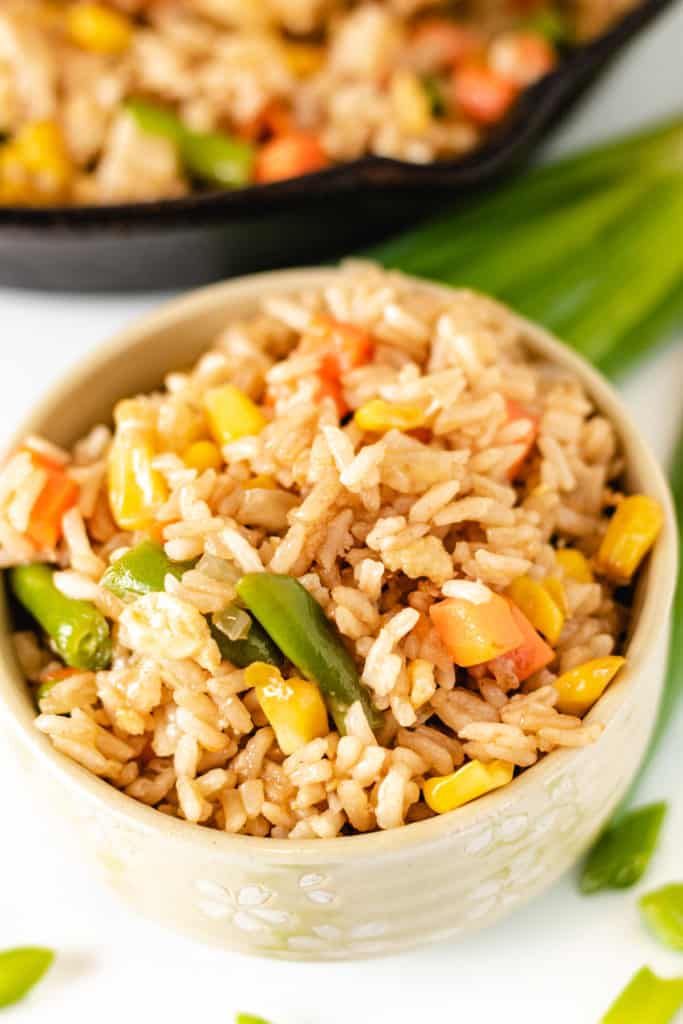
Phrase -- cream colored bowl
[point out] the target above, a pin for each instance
(362, 895)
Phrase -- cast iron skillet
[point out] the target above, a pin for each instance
(180, 243)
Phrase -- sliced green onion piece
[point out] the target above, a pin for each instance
(662, 910)
(621, 855)
(20, 970)
(646, 999)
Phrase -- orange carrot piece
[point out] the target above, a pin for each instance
(349, 346)
(522, 57)
(515, 412)
(438, 44)
(59, 494)
(330, 387)
(533, 653)
(273, 120)
(288, 156)
(473, 633)
(56, 675)
(481, 94)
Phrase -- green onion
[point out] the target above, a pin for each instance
(20, 970)
(662, 911)
(647, 999)
(621, 855)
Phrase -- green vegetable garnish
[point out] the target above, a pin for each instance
(78, 630)
(300, 628)
(621, 855)
(646, 999)
(20, 970)
(662, 910)
(214, 157)
(256, 646)
(434, 90)
(249, 1018)
(142, 570)
(550, 24)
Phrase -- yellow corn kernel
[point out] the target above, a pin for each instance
(136, 489)
(554, 586)
(580, 687)
(232, 414)
(575, 565)
(294, 707)
(97, 28)
(446, 792)
(380, 416)
(632, 531)
(262, 482)
(203, 455)
(41, 149)
(532, 598)
(410, 103)
(304, 59)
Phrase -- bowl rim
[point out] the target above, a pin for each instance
(653, 616)
(532, 112)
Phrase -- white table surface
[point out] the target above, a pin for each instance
(563, 958)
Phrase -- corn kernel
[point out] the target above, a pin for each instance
(580, 687)
(294, 707)
(39, 148)
(382, 416)
(136, 489)
(574, 565)
(203, 455)
(632, 531)
(98, 29)
(262, 482)
(532, 598)
(446, 792)
(232, 414)
(554, 586)
(410, 103)
(304, 59)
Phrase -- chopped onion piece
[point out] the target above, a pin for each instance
(233, 621)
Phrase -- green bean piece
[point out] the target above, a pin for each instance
(300, 628)
(255, 646)
(20, 970)
(646, 999)
(249, 1018)
(218, 159)
(78, 630)
(155, 120)
(662, 911)
(142, 570)
(623, 852)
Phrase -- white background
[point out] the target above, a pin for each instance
(564, 958)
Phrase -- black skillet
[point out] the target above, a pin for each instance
(179, 243)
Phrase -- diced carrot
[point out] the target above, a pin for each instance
(475, 632)
(273, 120)
(438, 44)
(516, 412)
(348, 346)
(330, 387)
(522, 57)
(55, 675)
(59, 494)
(533, 653)
(422, 434)
(288, 156)
(481, 93)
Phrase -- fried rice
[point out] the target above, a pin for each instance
(293, 85)
(378, 525)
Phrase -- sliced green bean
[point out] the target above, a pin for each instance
(300, 628)
(142, 570)
(78, 630)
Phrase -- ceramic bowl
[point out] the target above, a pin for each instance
(363, 895)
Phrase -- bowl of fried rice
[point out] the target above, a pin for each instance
(337, 610)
